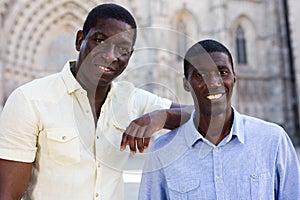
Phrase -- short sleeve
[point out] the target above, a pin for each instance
(18, 129)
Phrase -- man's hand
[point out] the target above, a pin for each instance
(140, 130)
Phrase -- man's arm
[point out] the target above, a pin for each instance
(140, 130)
(18, 135)
(14, 177)
(287, 170)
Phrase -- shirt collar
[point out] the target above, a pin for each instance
(68, 78)
(192, 135)
(238, 126)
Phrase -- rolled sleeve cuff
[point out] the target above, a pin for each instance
(19, 155)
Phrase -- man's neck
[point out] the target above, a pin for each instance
(96, 94)
(214, 128)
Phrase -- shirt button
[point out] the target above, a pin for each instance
(97, 194)
(253, 176)
(64, 137)
(217, 149)
(87, 111)
(217, 178)
(97, 137)
(182, 189)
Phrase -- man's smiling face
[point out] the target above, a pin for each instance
(211, 81)
(104, 51)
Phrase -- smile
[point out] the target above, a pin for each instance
(105, 69)
(214, 96)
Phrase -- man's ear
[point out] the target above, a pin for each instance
(186, 84)
(234, 78)
(131, 52)
(79, 39)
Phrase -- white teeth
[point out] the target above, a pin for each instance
(214, 96)
(104, 68)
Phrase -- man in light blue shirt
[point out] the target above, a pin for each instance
(219, 153)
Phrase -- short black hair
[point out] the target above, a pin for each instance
(205, 46)
(109, 10)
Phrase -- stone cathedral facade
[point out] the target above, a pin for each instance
(37, 38)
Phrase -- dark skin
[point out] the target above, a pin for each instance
(140, 130)
(98, 66)
(97, 82)
(14, 177)
(103, 55)
(211, 81)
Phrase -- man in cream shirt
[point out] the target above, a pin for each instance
(60, 135)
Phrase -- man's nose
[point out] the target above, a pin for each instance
(109, 53)
(214, 80)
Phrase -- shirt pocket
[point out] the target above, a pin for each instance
(255, 186)
(185, 190)
(63, 145)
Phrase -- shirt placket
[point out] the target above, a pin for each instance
(98, 180)
(218, 175)
(99, 167)
(86, 108)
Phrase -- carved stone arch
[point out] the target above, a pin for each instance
(28, 34)
(52, 32)
(5, 9)
(29, 29)
(249, 28)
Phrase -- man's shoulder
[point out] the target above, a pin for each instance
(260, 129)
(42, 81)
(123, 89)
(41, 85)
(123, 84)
(251, 121)
(129, 88)
(167, 149)
(164, 140)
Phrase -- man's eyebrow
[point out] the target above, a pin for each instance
(98, 33)
(223, 66)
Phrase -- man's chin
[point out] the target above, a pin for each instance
(215, 110)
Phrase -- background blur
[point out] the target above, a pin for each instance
(37, 38)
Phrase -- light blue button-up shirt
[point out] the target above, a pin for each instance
(255, 161)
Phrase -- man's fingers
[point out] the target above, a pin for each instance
(146, 143)
(140, 144)
(132, 144)
(124, 142)
(138, 138)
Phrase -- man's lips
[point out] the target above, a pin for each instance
(105, 69)
(216, 96)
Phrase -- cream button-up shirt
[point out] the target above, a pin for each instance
(49, 122)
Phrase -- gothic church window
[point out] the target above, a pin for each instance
(241, 46)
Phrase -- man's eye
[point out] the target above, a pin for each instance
(200, 75)
(223, 73)
(124, 50)
(98, 40)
